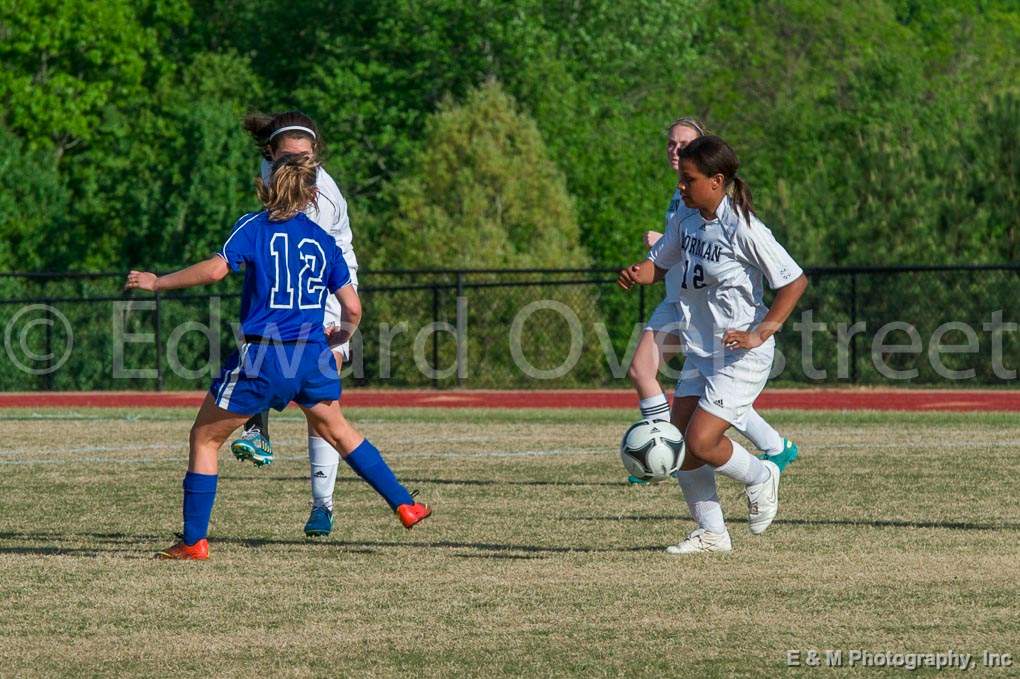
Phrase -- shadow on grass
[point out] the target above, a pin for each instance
(142, 545)
(452, 482)
(112, 544)
(525, 482)
(68, 551)
(115, 545)
(873, 523)
(488, 548)
(504, 557)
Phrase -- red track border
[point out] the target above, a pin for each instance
(796, 399)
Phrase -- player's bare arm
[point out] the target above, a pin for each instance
(208, 271)
(783, 305)
(642, 273)
(350, 304)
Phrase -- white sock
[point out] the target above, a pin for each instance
(698, 486)
(761, 433)
(744, 467)
(655, 407)
(324, 460)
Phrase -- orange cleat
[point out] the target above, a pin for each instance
(411, 514)
(196, 552)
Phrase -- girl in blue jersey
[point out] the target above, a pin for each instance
(290, 264)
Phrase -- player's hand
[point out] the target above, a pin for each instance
(739, 339)
(629, 277)
(651, 238)
(337, 335)
(141, 280)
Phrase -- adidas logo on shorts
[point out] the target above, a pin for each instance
(718, 402)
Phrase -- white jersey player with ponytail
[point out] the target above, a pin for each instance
(278, 134)
(660, 342)
(725, 256)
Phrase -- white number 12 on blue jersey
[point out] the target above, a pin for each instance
(309, 278)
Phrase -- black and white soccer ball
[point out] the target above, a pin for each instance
(651, 450)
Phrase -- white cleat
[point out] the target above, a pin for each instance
(702, 540)
(763, 500)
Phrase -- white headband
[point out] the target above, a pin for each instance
(292, 127)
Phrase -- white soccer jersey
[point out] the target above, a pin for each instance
(723, 266)
(329, 212)
(676, 205)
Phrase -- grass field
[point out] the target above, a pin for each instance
(896, 532)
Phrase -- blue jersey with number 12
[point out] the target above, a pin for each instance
(289, 268)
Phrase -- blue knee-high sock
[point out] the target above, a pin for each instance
(199, 495)
(366, 461)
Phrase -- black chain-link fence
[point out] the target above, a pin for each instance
(948, 326)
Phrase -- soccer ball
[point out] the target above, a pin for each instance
(652, 449)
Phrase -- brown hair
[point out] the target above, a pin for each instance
(263, 128)
(291, 186)
(691, 122)
(714, 156)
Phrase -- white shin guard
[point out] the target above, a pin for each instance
(698, 487)
(762, 434)
(324, 460)
(744, 467)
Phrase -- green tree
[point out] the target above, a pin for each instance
(481, 193)
(600, 79)
(33, 200)
(852, 121)
(67, 63)
(193, 176)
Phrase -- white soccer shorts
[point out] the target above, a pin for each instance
(334, 315)
(665, 318)
(727, 391)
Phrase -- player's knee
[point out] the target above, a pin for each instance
(700, 441)
(204, 435)
(199, 436)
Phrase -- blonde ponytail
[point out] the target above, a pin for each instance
(291, 186)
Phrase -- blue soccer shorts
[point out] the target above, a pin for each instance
(263, 375)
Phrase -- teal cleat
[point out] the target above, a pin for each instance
(320, 522)
(783, 458)
(253, 446)
(635, 481)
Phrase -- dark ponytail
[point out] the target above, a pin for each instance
(714, 156)
(741, 194)
(265, 130)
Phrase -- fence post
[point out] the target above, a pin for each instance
(853, 320)
(641, 304)
(49, 344)
(435, 335)
(457, 338)
(159, 347)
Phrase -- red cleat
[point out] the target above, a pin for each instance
(410, 514)
(196, 552)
